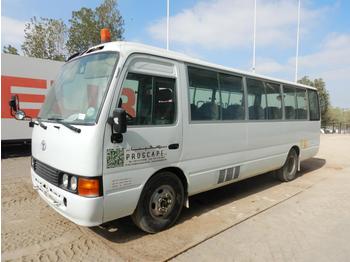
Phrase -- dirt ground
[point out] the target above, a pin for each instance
(259, 219)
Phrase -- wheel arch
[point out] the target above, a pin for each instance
(296, 148)
(176, 171)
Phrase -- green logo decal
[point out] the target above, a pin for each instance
(115, 157)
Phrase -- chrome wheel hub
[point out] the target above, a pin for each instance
(291, 165)
(162, 201)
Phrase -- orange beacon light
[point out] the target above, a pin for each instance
(105, 35)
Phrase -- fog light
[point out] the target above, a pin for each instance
(65, 180)
(73, 183)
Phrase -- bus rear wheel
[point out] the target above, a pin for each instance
(160, 203)
(290, 167)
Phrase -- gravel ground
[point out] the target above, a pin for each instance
(312, 226)
(258, 219)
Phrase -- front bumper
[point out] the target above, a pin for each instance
(83, 211)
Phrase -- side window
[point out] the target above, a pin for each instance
(301, 111)
(289, 102)
(313, 105)
(204, 94)
(148, 100)
(274, 101)
(232, 97)
(256, 99)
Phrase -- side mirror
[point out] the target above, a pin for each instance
(118, 124)
(17, 112)
(20, 115)
(14, 104)
(119, 121)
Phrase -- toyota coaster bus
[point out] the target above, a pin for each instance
(129, 129)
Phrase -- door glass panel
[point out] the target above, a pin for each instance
(148, 100)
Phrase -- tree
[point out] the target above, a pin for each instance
(45, 38)
(323, 94)
(336, 114)
(85, 26)
(10, 50)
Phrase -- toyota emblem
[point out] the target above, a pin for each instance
(43, 145)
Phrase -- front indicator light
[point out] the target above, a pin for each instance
(89, 187)
(73, 183)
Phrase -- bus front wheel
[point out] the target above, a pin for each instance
(290, 167)
(160, 203)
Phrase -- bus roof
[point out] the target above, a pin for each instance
(128, 48)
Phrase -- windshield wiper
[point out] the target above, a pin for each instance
(60, 121)
(41, 124)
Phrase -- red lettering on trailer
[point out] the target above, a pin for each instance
(10, 81)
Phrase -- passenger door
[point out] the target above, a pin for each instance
(214, 129)
(150, 95)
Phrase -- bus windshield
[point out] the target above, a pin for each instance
(77, 95)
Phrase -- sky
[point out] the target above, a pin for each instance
(221, 31)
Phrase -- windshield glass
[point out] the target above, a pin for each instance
(78, 93)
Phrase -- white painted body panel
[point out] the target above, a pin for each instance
(81, 210)
(206, 150)
(123, 185)
(68, 151)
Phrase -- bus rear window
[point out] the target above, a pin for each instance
(314, 105)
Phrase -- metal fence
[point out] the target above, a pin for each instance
(336, 128)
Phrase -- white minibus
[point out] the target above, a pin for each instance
(129, 129)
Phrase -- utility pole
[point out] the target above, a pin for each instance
(254, 37)
(297, 50)
(167, 24)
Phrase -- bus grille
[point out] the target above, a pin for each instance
(46, 172)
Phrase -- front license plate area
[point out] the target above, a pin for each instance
(51, 194)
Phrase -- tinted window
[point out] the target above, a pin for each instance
(256, 99)
(204, 94)
(289, 102)
(274, 101)
(232, 97)
(301, 111)
(148, 100)
(314, 105)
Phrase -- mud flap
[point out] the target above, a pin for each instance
(187, 203)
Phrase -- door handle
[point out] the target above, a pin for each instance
(173, 146)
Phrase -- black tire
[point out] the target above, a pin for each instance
(154, 212)
(289, 170)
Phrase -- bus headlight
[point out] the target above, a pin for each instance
(73, 183)
(65, 180)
